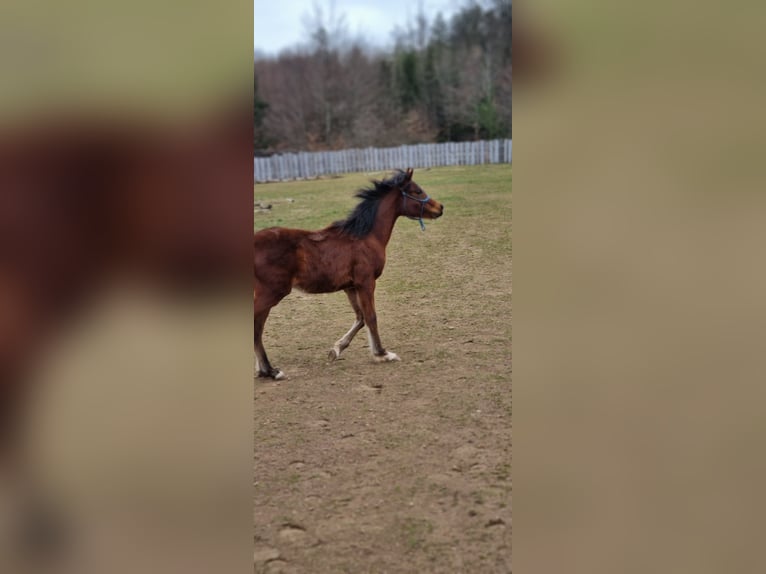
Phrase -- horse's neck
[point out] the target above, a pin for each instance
(388, 212)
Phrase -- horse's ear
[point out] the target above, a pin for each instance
(408, 174)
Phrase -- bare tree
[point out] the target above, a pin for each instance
(443, 80)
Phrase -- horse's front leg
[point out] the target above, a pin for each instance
(366, 299)
(342, 343)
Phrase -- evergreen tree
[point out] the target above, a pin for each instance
(260, 107)
(408, 84)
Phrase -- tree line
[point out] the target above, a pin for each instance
(441, 80)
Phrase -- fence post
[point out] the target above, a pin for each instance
(287, 166)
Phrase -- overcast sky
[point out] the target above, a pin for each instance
(280, 24)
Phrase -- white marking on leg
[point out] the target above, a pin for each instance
(387, 358)
(370, 341)
(342, 343)
(380, 358)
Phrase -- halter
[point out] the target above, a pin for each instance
(422, 203)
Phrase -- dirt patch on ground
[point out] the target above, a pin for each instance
(397, 467)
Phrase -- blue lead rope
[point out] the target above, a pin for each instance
(422, 207)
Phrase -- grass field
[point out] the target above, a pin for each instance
(396, 467)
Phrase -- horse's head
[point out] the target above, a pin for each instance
(416, 203)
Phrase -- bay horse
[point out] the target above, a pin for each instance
(348, 255)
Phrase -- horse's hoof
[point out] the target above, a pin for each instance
(387, 358)
(275, 374)
(333, 355)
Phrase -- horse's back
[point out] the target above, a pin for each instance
(277, 242)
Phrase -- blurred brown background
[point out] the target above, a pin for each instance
(639, 292)
(125, 197)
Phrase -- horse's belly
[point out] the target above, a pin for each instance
(320, 283)
(321, 269)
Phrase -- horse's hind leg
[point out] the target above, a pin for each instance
(342, 343)
(265, 370)
(261, 308)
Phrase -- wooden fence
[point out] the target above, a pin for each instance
(307, 165)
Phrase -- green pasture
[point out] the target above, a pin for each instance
(462, 262)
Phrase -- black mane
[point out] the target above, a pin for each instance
(360, 221)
